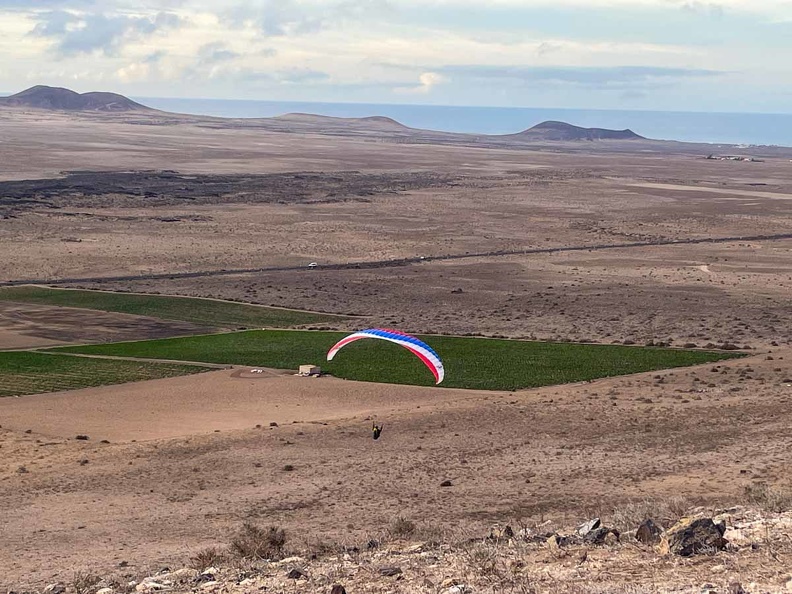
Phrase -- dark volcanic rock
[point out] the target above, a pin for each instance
(295, 574)
(691, 537)
(648, 532)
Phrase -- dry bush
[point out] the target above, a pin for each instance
(402, 527)
(211, 557)
(664, 512)
(253, 542)
(772, 499)
(84, 582)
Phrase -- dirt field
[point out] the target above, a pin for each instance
(701, 433)
(562, 451)
(24, 325)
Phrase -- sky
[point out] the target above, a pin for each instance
(677, 55)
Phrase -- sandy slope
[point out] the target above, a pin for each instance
(701, 433)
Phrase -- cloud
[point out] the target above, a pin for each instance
(275, 17)
(211, 53)
(426, 82)
(584, 76)
(76, 34)
(301, 75)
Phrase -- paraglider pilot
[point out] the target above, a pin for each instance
(376, 430)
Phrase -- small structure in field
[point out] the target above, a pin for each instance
(309, 370)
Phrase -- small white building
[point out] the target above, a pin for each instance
(307, 370)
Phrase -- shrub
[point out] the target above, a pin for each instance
(253, 542)
(207, 558)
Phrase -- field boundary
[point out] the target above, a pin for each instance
(215, 299)
(389, 263)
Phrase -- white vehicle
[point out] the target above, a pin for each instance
(313, 265)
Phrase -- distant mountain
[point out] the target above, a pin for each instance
(563, 131)
(56, 98)
(372, 122)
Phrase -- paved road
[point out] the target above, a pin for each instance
(388, 263)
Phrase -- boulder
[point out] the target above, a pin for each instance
(390, 571)
(584, 529)
(692, 536)
(648, 533)
(338, 589)
(601, 535)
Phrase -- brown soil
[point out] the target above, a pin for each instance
(25, 325)
(702, 433)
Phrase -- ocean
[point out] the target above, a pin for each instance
(723, 128)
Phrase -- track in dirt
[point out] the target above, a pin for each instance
(391, 263)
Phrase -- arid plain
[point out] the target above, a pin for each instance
(157, 199)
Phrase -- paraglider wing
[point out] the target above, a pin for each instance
(417, 347)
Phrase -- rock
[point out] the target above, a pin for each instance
(693, 536)
(601, 534)
(553, 542)
(390, 571)
(296, 574)
(736, 588)
(648, 533)
(55, 589)
(82, 438)
(338, 589)
(449, 583)
(291, 560)
(446, 484)
(612, 537)
(458, 589)
(105, 591)
(184, 573)
(584, 529)
(209, 585)
(149, 586)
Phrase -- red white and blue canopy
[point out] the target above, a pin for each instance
(417, 347)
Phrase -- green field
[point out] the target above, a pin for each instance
(24, 372)
(206, 312)
(469, 362)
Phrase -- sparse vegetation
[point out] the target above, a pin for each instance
(402, 527)
(84, 582)
(626, 517)
(205, 312)
(34, 373)
(254, 542)
(476, 363)
(769, 498)
(206, 558)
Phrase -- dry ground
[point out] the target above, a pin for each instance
(26, 325)
(560, 452)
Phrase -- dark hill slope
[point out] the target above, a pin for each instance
(563, 131)
(56, 98)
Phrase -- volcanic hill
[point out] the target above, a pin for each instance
(562, 131)
(56, 98)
